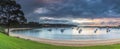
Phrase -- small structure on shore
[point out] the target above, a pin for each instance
(95, 30)
(78, 28)
(50, 30)
(80, 31)
(108, 30)
(62, 30)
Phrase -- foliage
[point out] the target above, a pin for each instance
(10, 12)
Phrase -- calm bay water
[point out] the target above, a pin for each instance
(75, 33)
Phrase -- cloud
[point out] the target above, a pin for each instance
(48, 18)
(41, 10)
(53, 20)
(34, 9)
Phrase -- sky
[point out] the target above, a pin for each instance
(84, 12)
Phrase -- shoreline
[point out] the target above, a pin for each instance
(66, 42)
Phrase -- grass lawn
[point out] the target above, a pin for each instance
(7, 42)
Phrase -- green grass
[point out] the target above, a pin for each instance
(7, 42)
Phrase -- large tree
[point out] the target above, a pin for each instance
(10, 12)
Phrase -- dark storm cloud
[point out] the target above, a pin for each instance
(71, 8)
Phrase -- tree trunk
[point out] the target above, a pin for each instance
(8, 29)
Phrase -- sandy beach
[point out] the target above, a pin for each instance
(66, 42)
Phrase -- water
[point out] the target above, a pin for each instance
(75, 33)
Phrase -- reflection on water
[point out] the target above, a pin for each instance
(76, 33)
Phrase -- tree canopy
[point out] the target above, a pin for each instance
(10, 12)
